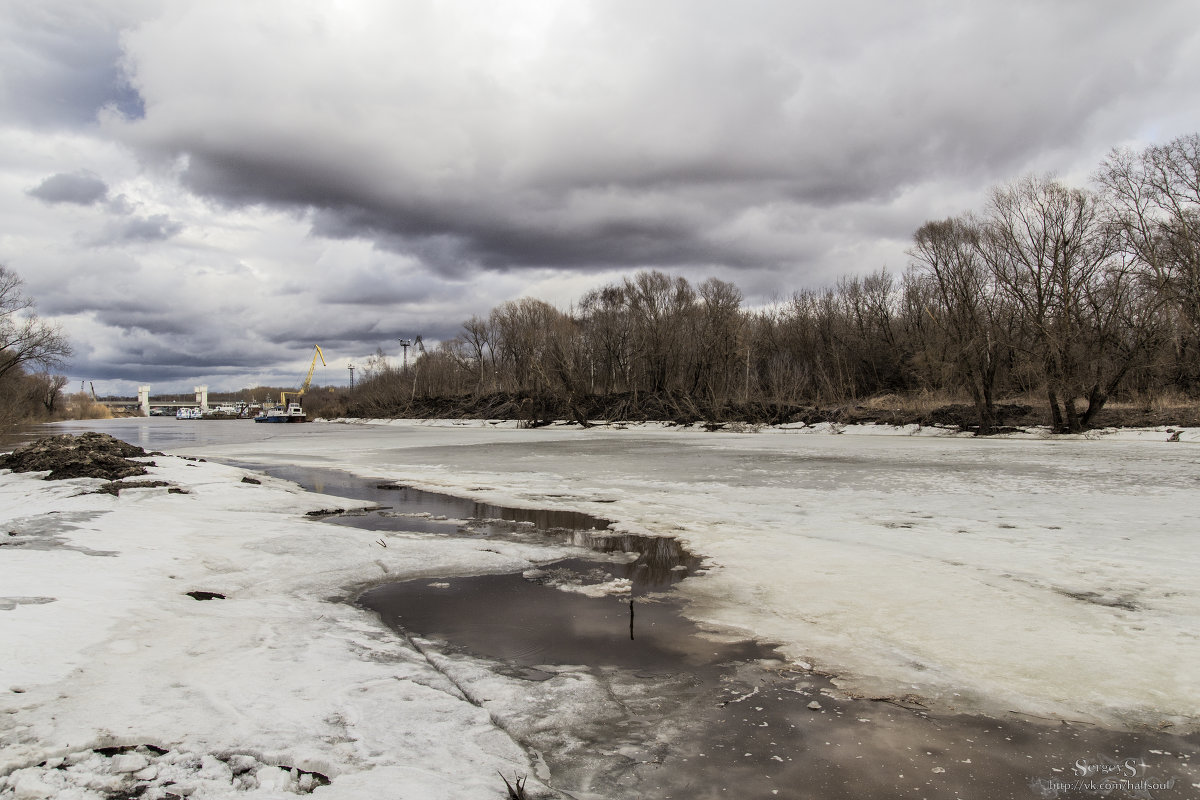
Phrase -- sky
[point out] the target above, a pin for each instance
(199, 191)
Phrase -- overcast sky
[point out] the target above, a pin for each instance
(198, 191)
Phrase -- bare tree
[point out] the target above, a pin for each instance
(524, 333)
(1052, 252)
(477, 337)
(25, 339)
(720, 343)
(816, 346)
(658, 304)
(604, 314)
(974, 318)
(46, 389)
(875, 351)
(1156, 198)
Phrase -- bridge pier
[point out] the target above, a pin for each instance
(144, 399)
(202, 398)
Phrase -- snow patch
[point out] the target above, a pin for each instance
(618, 587)
(277, 671)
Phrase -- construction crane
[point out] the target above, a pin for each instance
(283, 396)
(407, 343)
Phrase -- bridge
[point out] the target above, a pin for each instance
(144, 403)
(144, 400)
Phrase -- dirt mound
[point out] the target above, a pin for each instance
(88, 455)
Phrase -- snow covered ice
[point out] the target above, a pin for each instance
(1048, 577)
(119, 655)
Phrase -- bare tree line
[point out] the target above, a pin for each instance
(29, 348)
(1076, 294)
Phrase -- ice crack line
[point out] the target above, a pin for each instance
(470, 698)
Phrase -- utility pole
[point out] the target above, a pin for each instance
(351, 368)
(405, 343)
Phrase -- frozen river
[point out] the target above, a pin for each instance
(870, 615)
(1052, 578)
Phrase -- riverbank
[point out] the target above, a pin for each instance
(1157, 433)
(680, 409)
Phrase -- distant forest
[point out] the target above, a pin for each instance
(1059, 296)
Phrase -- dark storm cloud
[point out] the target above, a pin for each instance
(81, 188)
(342, 329)
(171, 372)
(462, 241)
(660, 215)
(377, 285)
(154, 321)
(628, 136)
(159, 347)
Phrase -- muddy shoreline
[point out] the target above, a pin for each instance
(677, 409)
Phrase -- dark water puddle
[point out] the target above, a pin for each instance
(699, 718)
(388, 493)
(695, 717)
(525, 620)
(764, 740)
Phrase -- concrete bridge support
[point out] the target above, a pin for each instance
(202, 398)
(144, 400)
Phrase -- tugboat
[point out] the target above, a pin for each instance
(292, 413)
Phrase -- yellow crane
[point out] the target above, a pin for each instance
(283, 396)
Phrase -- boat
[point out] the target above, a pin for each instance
(221, 412)
(187, 413)
(292, 413)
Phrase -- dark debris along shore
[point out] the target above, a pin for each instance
(88, 455)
